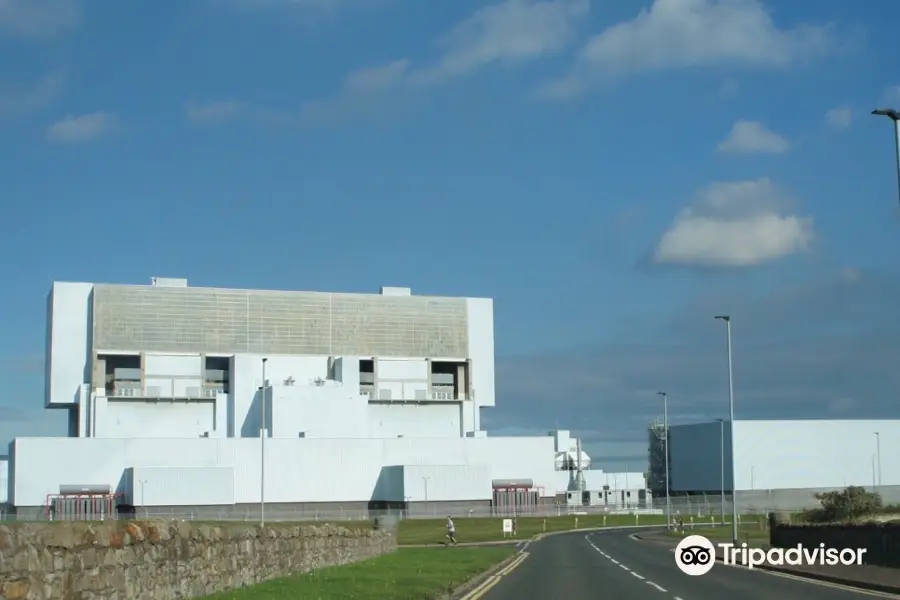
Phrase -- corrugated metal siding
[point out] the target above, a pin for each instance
(181, 486)
(806, 454)
(4, 480)
(445, 483)
(774, 455)
(297, 470)
(248, 321)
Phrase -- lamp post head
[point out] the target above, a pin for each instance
(663, 394)
(890, 113)
(725, 318)
(265, 360)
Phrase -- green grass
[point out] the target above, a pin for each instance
(434, 531)
(747, 532)
(277, 524)
(408, 574)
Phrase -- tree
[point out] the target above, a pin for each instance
(846, 505)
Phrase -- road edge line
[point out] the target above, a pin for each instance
(494, 578)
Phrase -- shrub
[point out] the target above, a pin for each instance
(846, 505)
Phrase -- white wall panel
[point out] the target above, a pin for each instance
(69, 339)
(181, 486)
(814, 453)
(783, 454)
(247, 379)
(421, 451)
(163, 419)
(4, 480)
(297, 470)
(516, 458)
(445, 483)
(402, 369)
(413, 420)
(346, 370)
(329, 411)
(480, 325)
(173, 365)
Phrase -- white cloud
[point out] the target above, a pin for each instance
(735, 224)
(82, 128)
(691, 33)
(839, 118)
(213, 112)
(37, 18)
(748, 137)
(508, 32)
(27, 99)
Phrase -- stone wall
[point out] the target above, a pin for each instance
(881, 540)
(162, 560)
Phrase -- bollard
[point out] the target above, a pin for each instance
(636, 517)
(692, 522)
(576, 522)
(545, 525)
(604, 520)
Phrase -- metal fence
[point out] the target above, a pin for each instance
(710, 507)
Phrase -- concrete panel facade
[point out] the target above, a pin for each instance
(298, 470)
(330, 437)
(785, 455)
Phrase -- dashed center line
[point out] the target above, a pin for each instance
(621, 566)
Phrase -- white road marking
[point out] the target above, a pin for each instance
(621, 566)
(677, 598)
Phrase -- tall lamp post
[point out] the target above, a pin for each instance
(262, 446)
(878, 454)
(722, 468)
(665, 398)
(734, 525)
(894, 116)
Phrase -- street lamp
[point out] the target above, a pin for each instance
(894, 116)
(734, 525)
(722, 468)
(878, 454)
(143, 482)
(665, 398)
(262, 446)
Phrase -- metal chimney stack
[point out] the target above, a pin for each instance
(579, 475)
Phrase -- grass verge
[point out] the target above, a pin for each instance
(752, 534)
(412, 532)
(408, 574)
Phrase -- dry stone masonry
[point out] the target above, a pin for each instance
(163, 560)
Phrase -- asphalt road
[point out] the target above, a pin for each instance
(614, 566)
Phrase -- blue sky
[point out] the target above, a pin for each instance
(613, 174)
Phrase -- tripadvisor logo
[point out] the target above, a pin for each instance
(696, 555)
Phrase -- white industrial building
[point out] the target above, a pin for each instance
(776, 465)
(369, 399)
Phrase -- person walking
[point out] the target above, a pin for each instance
(451, 531)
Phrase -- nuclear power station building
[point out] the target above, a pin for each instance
(363, 400)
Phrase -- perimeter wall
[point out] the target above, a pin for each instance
(163, 560)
